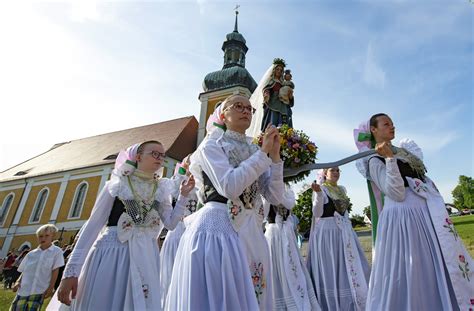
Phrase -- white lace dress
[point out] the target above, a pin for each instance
(222, 261)
(336, 261)
(420, 262)
(291, 283)
(118, 266)
(171, 243)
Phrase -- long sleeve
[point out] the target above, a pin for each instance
(318, 200)
(169, 215)
(273, 186)
(230, 182)
(387, 178)
(97, 220)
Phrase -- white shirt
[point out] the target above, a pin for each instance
(37, 267)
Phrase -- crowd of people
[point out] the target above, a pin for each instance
(217, 255)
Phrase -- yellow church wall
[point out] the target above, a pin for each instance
(18, 240)
(48, 208)
(213, 101)
(14, 206)
(69, 194)
(65, 239)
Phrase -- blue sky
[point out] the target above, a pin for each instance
(72, 69)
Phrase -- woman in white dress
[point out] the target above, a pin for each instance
(170, 245)
(291, 283)
(420, 262)
(336, 261)
(115, 263)
(222, 261)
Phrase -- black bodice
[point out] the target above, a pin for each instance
(329, 208)
(117, 210)
(210, 192)
(405, 170)
(273, 212)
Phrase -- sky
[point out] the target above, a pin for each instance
(73, 69)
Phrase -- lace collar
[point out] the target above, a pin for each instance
(236, 136)
(144, 176)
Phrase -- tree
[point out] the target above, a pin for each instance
(367, 212)
(303, 209)
(463, 194)
(357, 220)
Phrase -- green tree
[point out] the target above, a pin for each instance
(463, 194)
(303, 209)
(367, 211)
(357, 220)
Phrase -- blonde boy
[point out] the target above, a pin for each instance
(39, 271)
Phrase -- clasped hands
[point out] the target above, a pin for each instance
(271, 143)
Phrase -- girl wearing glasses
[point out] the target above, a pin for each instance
(222, 261)
(336, 261)
(115, 264)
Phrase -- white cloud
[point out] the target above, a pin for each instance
(374, 75)
(326, 130)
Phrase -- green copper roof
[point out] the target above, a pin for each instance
(228, 77)
(235, 36)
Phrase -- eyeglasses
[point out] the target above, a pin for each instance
(157, 155)
(239, 107)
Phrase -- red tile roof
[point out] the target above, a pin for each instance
(178, 136)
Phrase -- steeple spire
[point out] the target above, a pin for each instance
(236, 28)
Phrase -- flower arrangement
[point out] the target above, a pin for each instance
(296, 150)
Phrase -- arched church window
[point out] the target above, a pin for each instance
(39, 205)
(7, 203)
(78, 202)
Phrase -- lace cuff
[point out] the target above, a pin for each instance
(71, 271)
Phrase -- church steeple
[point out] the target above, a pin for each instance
(236, 29)
(233, 71)
(233, 78)
(234, 47)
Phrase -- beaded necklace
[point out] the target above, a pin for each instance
(144, 203)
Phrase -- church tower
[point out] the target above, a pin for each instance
(233, 78)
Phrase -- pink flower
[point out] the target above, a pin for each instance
(462, 259)
(296, 146)
(297, 160)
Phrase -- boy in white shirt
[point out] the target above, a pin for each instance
(39, 271)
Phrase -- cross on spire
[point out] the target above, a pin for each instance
(236, 9)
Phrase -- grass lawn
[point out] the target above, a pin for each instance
(7, 296)
(465, 227)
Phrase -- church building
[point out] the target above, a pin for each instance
(61, 185)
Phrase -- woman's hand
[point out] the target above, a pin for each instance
(187, 186)
(269, 138)
(275, 152)
(315, 187)
(384, 149)
(67, 286)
